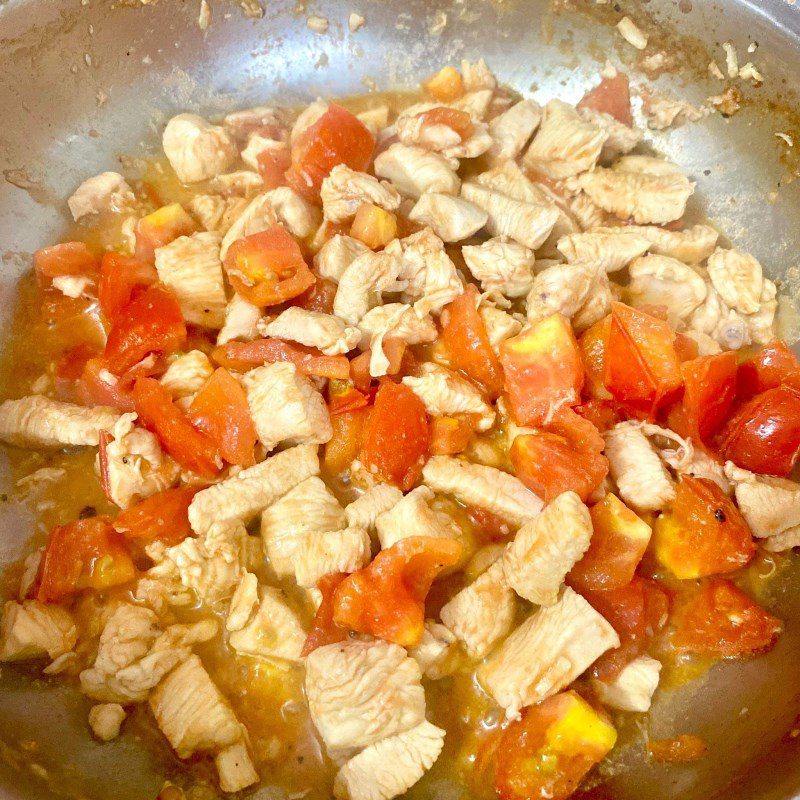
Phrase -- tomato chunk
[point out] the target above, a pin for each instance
(601, 413)
(774, 365)
(704, 534)
(446, 85)
(611, 96)
(681, 750)
(346, 441)
(343, 397)
(120, 279)
(93, 390)
(764, 435)
(243, 356)
(642, 370)
(592, 345)
(458, 121)
(547, 753)
(163, 226)
(59, 260)
(393, 348)
(374, 226)
(85, 554)
(191, 448)
(324, 629)
(387, 598)
(272, 165)
(721, 620)
(319, 297)
(396, 438)
(619, 540)
(220, 410)
(451, 435)
(162, 517)
(709, 390)
(467, 344)
(337, 137)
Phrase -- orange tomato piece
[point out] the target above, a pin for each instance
(396, 439)
(450, 435)
(220, 410)
(121, 278)
(592, 345)
(458, 121)
(346, 441)
(774, 365)
(543, 370)
(395, 351)
(319, 297)
(92, 390)
(343, 397)
(161, 227)
(387, 598)
(84, 554)
(611, 96)
(69, 368)
(721, 620)
(681, 750)
(642, 370)
(709, 390)
(374, 226)
(489, 526)
(59, 260)
(467, 345)
(243, 356)
(601, 413)
(191, 448)
(272, 165)
(446, 85)
(324, 629)
(686, 347)
(162, 517)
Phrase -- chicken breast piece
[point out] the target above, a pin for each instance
(215, 213)
(633, 688)
(259, 215)
(105, 720)
(499, 324)
(485, 487)
(257, 144)
(365, 510)
(297, 215)
(414, 516)
(614, 248)
(360, 692)
(414, 171)
(444, 393)
(726, 326)
(546, 549)
(670, 283)
(363, 282)
(38, 421)
(241, 321)
(187, 373)
(391, 766)
(319, 553)
(551, 648)
(738, 278)
(196, 149)
(337, 254)
(482, 613)
(285, 406)
(437, 651)
(512, 130)
(308, 507)
(502, 266)
(344, 190)
(620, 138)
(243, 603)
(691, 245)
(243, 184)
(106, 192)
(31, 629)
(642, 480)
(240, 124)
(235, 768)
(450, 218)
(313, 328)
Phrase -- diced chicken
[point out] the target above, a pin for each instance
(706, 346)
(285, 406)
(243, 603)
(738, 278)
(313, 328)
(502, 267)
(475, 103)
(641, 478)
(691, 245)
(414, 171)
(190, 266)
(337, 254)
(241, 321)
(391, 766)
(344, 190)
(196, 149)
(614, 248)
(724, 325)
(31, 629)
(512, 130)
(298, 216)
(660, 280)
(308, 507)
(499, 325)
(365, 510)
(307, 117)
(259, 215)
(187, 373)
(551, 648)
(633, 688)
(761, 325)
(620, 138)
(235, 768)
(30, 572)
(664, 112)
(250, 491)
(376, 119)
(105, 720)
(485, 487)
(274, 632)
(240, 124)
(437, 651)
(215, 213)
(414, 130)
(585, 212)
(319, 553)
(73, 286)
(106, 192)
(546, 549)
(414, 516)
(257, 144)
(360, 692)
(565, 145)
(243, 184)
(477, 75)
(362, 283)
(450, 218)
(482, 613)
(38, 421)
(444, 392)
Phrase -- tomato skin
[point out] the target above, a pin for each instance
(774, 365)
(611, 96)
(709, 390)
(764, 435)
(243, 356)
(319, 297)
(120, 278)
(84, 554)
(721, 620)
(192, 449)
(162, 517)
(458, 121)
(592, 345)
(601, 413)
(324, 629)
(387, 598)
(682, 750)
(346, 441)
(396, 439)
(343, 397)
(161, 227)
(467, 344)
(393, 348)
(69, 369)
(220, 410)
(69, 258)
(450, 435)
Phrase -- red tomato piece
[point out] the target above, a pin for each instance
(458, 121)
(764, 435)
(682, 750)
(242, 356)
(387, 598)
(161, 227)
(337, 137)
(686, 348)
(319, 297)
(709, 390)
(721, 620)
(490, 527)
(324, 629)
(120, 279)
(467, 344)
(451, 435)
(601, 413)
(69, 368)
(59, 260)
(642, 370)
(220, 411)
(191, 448)
(162, 517)
(774, 365)
(93, 390)
(346, 441)
(343, 397)
(396, 438)
(592, 345)
(85, 554)
(393, 348)
(611, 96)
(272, 165)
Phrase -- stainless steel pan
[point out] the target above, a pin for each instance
(83, 81)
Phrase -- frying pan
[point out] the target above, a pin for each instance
(83, 81)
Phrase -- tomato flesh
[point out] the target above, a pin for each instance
(458, 121)
(611, 96)
(121, 277)
(681, 750)
(709, 391)
(592, 345)
(450, 435)
(161, 227)
(59, 260)
(774, 365)
(243, 356)
(346, 441)
(343, 397)
(162, 517)
(272, 165)
(324, 629)
(446, 85)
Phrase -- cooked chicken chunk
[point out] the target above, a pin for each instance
(257, 216)
(106, 192)
(726, 326)
(308, 507)
(738, 278)
(551, 648)
(614, 248)
(415, 130)
(235, 768)
(414, 171)
(336, 255)
(240, 124)
(414, 516)
(38, 421)
(285, 406)
(105, 720)
(450, 218)
(365, 510)
(31, 629)
(513, 129)
(437, 651)
(243, 184)
(344, 190)
(319, 553)
(363, 281)
(660, 280)
(191, 268)
(475, 103)
(215, 213)
(241, 321)
(361, 692)
(258, 144)
(691, 246)
(502, 267)
(187, 373)
(313, 328)
(243, 603)
(633, 688)
(392, 321)
(376, 119)
(391, 766)
(196, 149)
(485, 487)
(620, 138)
(546, 549)
(499, 325)
(297, 215)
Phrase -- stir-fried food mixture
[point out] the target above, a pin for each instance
(420, 440)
